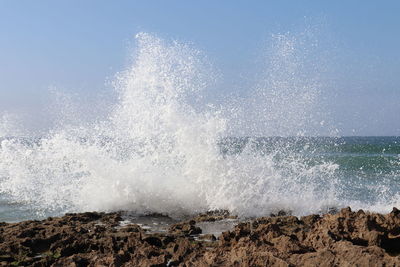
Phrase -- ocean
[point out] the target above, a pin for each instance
(305, 175)
(160, 149)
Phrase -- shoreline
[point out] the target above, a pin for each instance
(112, 239)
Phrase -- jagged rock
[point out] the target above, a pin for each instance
(346, 238)
(185, 228)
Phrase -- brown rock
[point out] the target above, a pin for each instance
(345, 238)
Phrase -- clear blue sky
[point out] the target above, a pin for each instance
(77, 45)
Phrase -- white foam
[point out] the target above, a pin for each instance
(156, 153)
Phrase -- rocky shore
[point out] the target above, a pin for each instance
(346, 238)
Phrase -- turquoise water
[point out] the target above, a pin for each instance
(366, 173)
(161, 147)
(363, 162)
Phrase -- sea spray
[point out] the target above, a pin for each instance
(156, 153)
(288, 96)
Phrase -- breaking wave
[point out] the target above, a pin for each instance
(159, 152)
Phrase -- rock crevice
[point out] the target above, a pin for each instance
(346, 238)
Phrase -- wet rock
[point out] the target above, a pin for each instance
(185, 228)
(154, 241)
(207, 237)
(214, 215)
(346, 238)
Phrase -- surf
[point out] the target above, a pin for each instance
(156, 151)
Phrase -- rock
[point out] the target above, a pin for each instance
(214, 215)
(185, 228)
(346, 238)
(207, 237)
(154, 241)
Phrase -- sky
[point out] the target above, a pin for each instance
(78, 46)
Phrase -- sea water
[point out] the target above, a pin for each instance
(161, 149)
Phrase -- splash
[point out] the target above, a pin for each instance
(9, 124)
(289, 93)
(156, 153)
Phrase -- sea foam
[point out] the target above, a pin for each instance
(158, 153)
